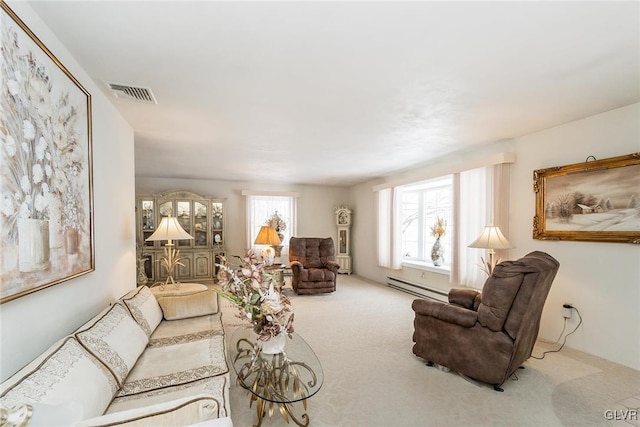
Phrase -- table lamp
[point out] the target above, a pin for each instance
(170, 230)
(268, 236)
(491, 239)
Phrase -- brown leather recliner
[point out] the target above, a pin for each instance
(313, 265)
(487, 336)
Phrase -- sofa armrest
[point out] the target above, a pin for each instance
(467, 298)
(445, 312)
(178, 412)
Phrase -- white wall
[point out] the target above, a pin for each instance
(33, 322)
(601, 279)
(316, 204)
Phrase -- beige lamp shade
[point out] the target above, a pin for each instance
(169, 229)
(491, 238)
(267, 236)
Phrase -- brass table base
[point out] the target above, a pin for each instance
(274, 381)
(286, 410)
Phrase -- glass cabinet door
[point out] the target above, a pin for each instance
(184, 218)
(147, 221)
(217, 223)
(166, 209)
(200, 224)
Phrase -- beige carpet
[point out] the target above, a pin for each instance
(362, 336)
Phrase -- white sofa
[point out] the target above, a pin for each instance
(130, 366)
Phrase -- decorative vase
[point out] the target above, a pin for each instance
(142, 274)
(275, 345)
(71, 241)
(437, 253)
(277, 249)
(33, 244)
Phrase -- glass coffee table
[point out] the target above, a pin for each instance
(276, 381)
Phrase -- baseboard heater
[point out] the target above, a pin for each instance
(417, 289)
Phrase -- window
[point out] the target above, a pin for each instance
(468, 198)
(261, 207)
(422, 204)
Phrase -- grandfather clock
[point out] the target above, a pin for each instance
(343, 221)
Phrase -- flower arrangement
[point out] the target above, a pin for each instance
(269, 311)
(276, 222)
(439, 228)
(41, 153)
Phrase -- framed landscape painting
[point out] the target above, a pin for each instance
(596, 200)
(46, 200)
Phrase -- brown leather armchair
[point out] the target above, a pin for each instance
(313, 265)
(487, 336)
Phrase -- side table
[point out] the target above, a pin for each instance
(277, 272)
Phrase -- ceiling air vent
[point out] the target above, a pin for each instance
(141, 94)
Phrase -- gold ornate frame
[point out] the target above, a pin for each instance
(46, 178)
(596, 200)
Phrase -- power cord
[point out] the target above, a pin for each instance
(565, 338)
(564, 327)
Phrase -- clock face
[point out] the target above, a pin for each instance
(343, 217)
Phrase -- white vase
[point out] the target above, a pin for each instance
(33, 244)
(275, 345)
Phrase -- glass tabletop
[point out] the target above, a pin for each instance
(290, 376)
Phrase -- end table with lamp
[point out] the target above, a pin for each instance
(277, 273)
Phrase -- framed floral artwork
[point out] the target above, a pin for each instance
(46, 189)
(597, 200)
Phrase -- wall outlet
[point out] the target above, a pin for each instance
(566, 310)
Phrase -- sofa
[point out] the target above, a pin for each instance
(130, 365)
(313, 265)
(487, 336)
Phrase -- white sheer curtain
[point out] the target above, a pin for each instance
(501, 185)
(389, 228)
(482, 198)
(472, 212)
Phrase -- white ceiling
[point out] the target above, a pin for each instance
(342, 92)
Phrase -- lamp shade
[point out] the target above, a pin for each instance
(169, 229)
(267, 236)
(491, 238)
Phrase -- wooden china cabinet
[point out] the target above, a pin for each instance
(201, 216)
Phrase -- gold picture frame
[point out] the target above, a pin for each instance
(596, 200)
(46, 176)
